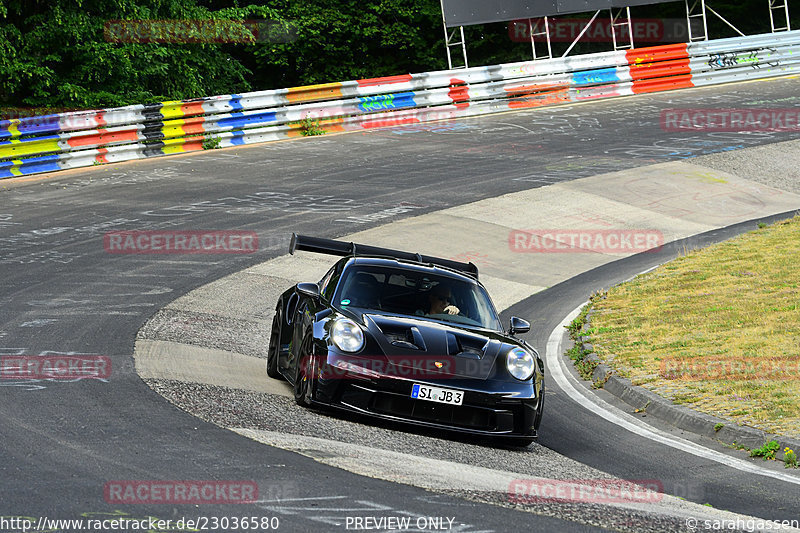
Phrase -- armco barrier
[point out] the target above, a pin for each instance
(77, 139)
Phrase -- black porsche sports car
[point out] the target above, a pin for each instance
(406, 337)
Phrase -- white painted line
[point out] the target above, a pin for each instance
(313, 498)
(316, 508)
(568, 383)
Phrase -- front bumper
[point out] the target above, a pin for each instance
(482, 412)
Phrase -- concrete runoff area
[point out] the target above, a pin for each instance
(446, 476)
(676, 199)
(195, 364)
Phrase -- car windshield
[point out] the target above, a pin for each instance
(418, 294)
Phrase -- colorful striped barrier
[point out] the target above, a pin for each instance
(78, 139)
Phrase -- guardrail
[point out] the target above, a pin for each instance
(84, 138)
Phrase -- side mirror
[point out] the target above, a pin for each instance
(519, 326)
(308, 289)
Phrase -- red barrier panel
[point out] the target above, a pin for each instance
(654, 54)
(371, 82)
(663, 84)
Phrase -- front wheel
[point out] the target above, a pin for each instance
(305, 375)
(539, 409)
(274, 347)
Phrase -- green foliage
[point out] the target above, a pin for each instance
(584, 366)
(767, 451)
(789, 458)
(54, 53)
(577, 324)
(310, 127)
(211, 142)
(338, 41)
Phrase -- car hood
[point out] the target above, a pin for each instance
(437, 350)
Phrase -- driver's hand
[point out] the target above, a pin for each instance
(451, 310)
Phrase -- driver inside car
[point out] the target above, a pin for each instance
(440, 302)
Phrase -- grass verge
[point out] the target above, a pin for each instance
(716, 329)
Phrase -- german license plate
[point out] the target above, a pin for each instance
(435, 394)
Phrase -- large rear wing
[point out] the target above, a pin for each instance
(344, 249)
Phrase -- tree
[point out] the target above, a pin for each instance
(336, 41)
(56, 53)
(64, 53)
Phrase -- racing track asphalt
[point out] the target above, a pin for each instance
(173, 349)
(60, 292)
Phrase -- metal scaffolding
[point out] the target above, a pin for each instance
(621, 22)
(545, 33)
(697, 12)
(540, 27)
(581, 34)
(697, 19)
(450, 42)
(779, 9)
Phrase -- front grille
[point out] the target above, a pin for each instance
(468, 416)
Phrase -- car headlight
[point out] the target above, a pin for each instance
(347, 336)
(520, 363)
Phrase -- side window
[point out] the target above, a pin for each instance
(327, 285)
(325, 279)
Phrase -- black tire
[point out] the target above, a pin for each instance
(539, 410)
(305, 375)
(274, 347)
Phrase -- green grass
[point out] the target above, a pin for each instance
(718, 329)
(585, 368)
